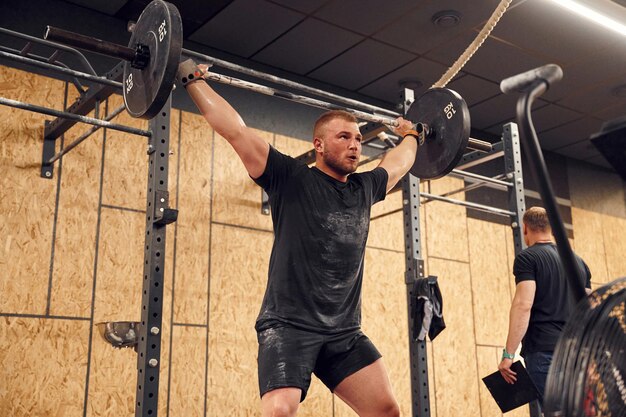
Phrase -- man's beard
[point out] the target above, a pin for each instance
(335, 164)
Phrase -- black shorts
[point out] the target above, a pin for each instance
(288, 356)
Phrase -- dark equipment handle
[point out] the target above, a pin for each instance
(533, 89)
(525, 81)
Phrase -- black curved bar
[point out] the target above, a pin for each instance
(539, 170)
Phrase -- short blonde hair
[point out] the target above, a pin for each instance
(536, 219)
(331, 115)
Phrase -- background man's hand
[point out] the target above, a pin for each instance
(507, 373)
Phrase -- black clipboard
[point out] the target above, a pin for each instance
(510, 396)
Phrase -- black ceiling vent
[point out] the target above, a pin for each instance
(611, 142)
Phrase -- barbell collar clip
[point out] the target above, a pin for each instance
(142, 57)
(423, 128)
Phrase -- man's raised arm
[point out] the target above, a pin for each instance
(399, 160)
(251, 148)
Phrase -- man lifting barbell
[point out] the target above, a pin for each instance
(310, 317)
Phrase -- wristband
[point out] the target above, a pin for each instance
(412, 133)
(507, 355)
(419, 138)
(188, 72)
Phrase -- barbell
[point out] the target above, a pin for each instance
(152, 58)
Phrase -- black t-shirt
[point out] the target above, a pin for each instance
(553, 305)
(320, 231)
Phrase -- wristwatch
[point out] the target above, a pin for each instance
(507, 355)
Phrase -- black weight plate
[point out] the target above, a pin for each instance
(146, 90)
(586, 376)
(447, 115)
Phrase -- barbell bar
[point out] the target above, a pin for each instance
(287, 83)
(421, 127)
(445, 124)
(152, 59)
(129, 54)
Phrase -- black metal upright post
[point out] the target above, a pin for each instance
(158, 215)
(517, 201)
(513, 170)
(420, 402)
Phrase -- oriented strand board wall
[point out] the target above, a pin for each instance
(71, 255)
(491, 293)
(599, 220)
(27, 202)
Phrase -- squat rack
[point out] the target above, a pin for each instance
(158, 214)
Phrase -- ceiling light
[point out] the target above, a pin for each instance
(593, 15)
(446, 18)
